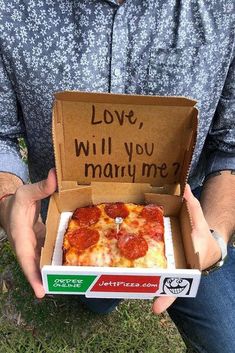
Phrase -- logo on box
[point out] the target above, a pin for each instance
(130, 284)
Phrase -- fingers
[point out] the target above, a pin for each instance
(40, 231)
(21, 218)
(44, 188)
(194, 207)
(162, 303)
(40, 190)
(33, 275)
(29, 260)
(204, 244)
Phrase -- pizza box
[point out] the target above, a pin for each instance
(125, 148)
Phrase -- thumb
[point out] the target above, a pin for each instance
(42, 189)
(194, 207)
(162, 303)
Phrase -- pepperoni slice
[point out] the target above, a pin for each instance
(83, 238)
(117, 209)
(152, 212)
(158, 237)
(154, 230)
(87, 215)
(132, 246)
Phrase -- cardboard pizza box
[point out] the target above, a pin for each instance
(125, 148)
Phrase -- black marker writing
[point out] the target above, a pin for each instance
(87, 148)
(108, 117)
(176, 165)
(110, 170)
(152, 170)
(139, 149)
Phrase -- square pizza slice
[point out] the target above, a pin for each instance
(116, 234)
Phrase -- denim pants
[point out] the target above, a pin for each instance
(207, 322)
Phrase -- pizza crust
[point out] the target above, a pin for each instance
(106, 251)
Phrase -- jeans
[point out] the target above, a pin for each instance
(207, 322)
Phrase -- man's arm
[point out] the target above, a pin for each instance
(9, 183)
(217, 208)
(204, 243)
(19, 212)
(217, 198)
(11, 128)
(218, 203)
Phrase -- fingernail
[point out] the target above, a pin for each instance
(40, 293)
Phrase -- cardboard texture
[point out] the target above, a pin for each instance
(123, 148)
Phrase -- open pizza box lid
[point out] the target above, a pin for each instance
(111, 148)
(102, 137)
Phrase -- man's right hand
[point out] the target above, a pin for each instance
(21, 221)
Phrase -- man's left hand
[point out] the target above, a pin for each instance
(204, 244)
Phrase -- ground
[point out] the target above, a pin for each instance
(60, 324)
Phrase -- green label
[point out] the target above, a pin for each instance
(69, 283)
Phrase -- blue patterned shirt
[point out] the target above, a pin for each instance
(164, 47)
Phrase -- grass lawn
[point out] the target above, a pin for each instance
(60, 324)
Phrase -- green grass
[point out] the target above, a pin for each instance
(60, 324)
(23, 150)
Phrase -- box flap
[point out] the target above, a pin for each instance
(122, 138)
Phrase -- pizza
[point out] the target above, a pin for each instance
(115, 235)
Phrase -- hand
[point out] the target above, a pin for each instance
(24, 228)
(204, 243)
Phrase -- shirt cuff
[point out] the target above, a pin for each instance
(11, 163)
(220, 161)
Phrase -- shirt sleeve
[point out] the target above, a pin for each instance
(11, 128)
(221, 140)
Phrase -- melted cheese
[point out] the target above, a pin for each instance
(106, 251)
